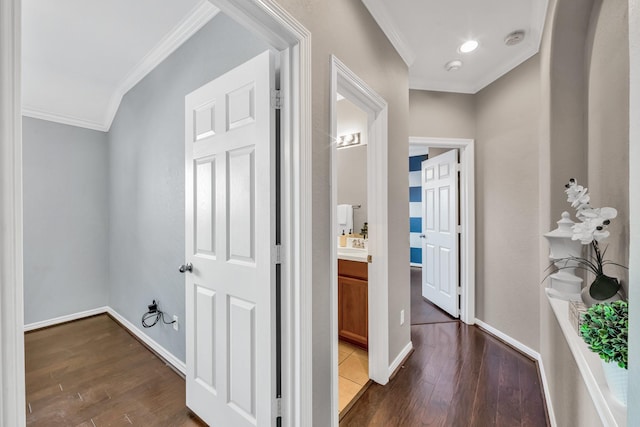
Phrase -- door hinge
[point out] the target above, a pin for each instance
(277, 254)
(278, 407)
(459, 229)
(458, 167)
(459, 290)
(276, 99)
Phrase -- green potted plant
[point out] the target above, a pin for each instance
(605, 329)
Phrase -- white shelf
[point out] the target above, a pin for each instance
(611, 412)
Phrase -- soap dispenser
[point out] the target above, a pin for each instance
(343, 240)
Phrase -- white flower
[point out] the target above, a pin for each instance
(583, 231)
(594, 220)
(577, 195)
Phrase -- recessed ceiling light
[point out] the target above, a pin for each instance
(514, 38)
(454, 65)
(468, 46)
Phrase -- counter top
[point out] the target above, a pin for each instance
(353, 254)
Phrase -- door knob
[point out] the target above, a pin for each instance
(186, 267)
(422, 236)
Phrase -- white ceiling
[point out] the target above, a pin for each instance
(79, 57)
(427, 34)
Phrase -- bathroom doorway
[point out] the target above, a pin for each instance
(351, 237)
(359, 263)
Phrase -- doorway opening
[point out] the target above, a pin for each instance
(465, 214)
(351, 237)
(374, 269)
(275, 26)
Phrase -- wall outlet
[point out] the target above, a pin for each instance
(175, 324)
(401, 317)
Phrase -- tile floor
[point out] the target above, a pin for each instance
(353, 373)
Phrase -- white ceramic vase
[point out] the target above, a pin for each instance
(617, 380)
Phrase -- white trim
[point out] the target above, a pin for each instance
(12, 384)
(509, 340)
(37, 113)
(467, 219)
(547, 392)
(400, 357)
(272, 23)
(528, 352)
(348, 84)
(64, 319)
(202, 13)
(160, 350)
(413, 264)
(379, 11)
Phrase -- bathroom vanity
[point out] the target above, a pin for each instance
(353, 304)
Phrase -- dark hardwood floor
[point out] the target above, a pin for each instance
(92, 373)
(458, 376)
(423, 311)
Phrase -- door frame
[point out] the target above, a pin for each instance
(467, 219)
(274, 25)
(348, 84)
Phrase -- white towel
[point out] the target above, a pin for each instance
(345, 219)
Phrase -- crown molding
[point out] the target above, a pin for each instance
(378, 10)
(186, 28)
(64, 119)
(481, 81)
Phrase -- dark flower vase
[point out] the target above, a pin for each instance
(602, 289)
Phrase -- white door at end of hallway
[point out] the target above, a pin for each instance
(440, 240)
(230, 235)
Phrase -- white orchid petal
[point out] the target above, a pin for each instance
(608, 213)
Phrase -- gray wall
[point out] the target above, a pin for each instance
(507, 238)
(66, 259)
(442, 114)
(146, 185)
(608, 89)
(364, 48)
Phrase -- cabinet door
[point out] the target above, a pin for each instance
(353, 311)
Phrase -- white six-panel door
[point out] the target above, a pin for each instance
(230, 214)
(440, 231)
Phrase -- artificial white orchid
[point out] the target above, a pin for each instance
(591, 231)
(594, 220)
(577, 195)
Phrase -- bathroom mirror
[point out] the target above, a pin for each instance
(352, 161)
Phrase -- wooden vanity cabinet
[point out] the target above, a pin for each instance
(353, 302)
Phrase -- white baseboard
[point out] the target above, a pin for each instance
(532, 354)
(64, 319)
(179, 365)
(547, 394)
(176, 363)
(400, 357)
(509, 340)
